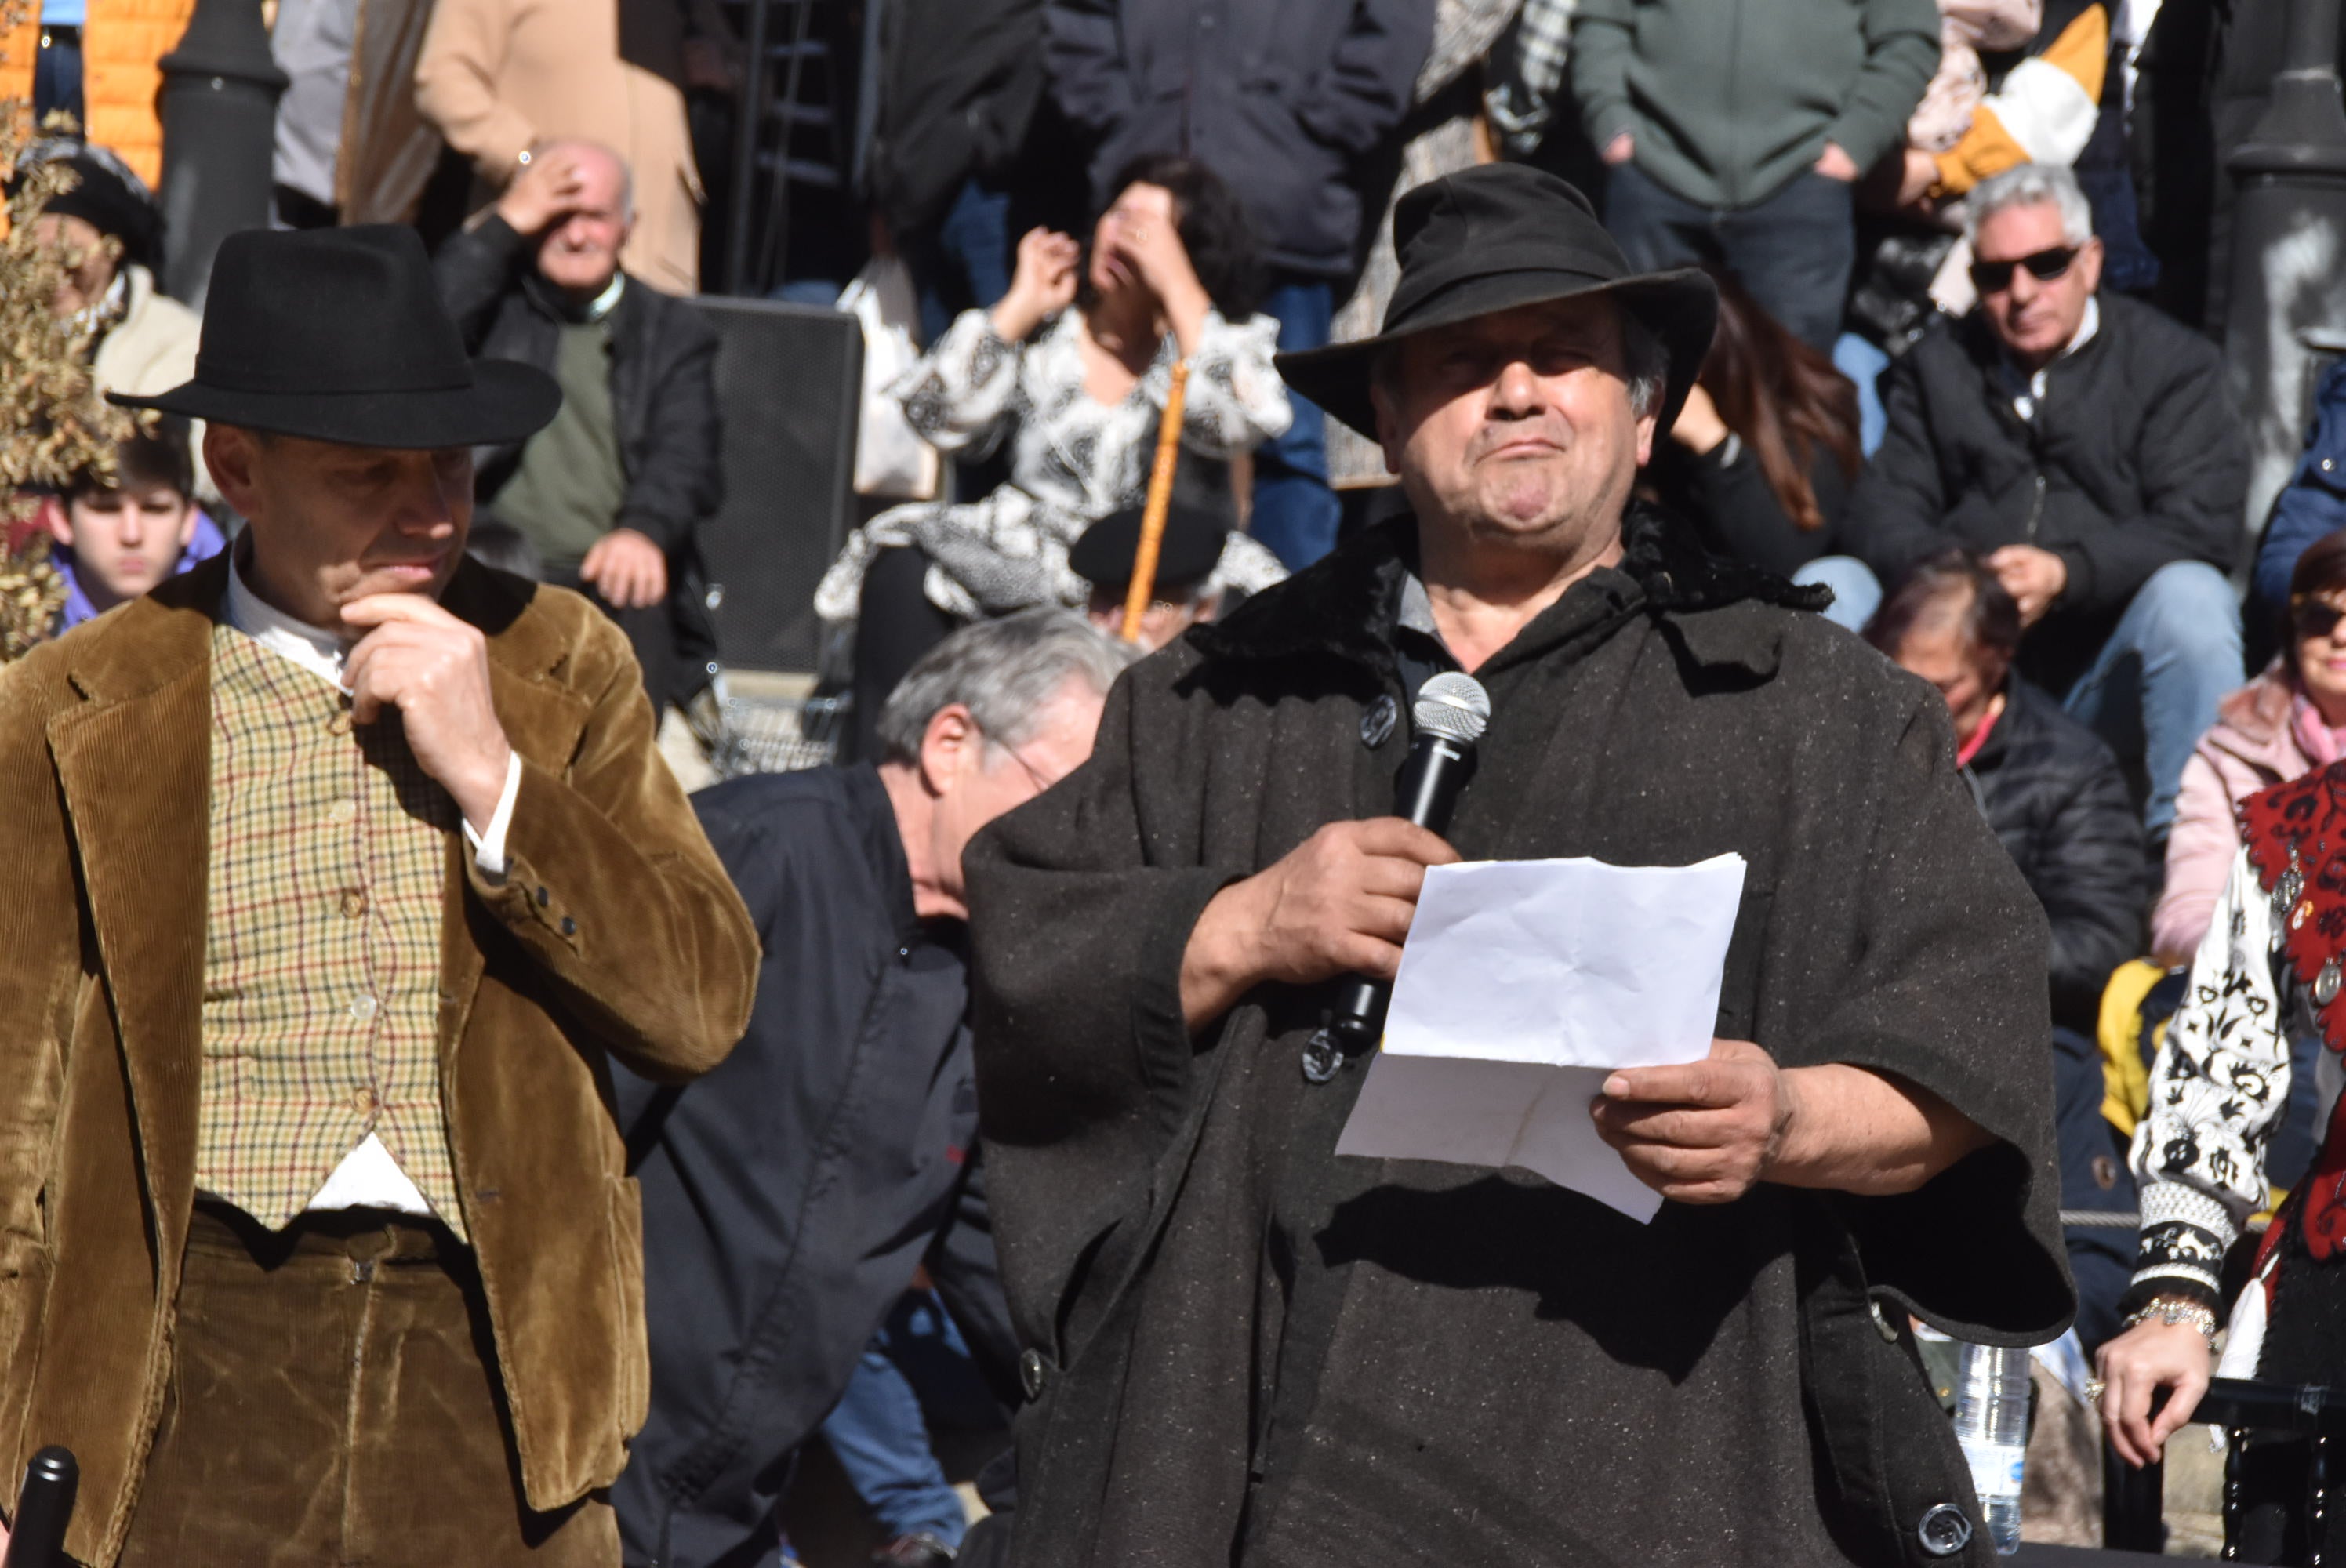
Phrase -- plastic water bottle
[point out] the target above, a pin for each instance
(1992, 1424)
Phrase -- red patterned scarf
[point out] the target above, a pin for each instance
(2295, 834)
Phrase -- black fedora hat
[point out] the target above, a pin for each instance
(1492, 237)
(340, 335)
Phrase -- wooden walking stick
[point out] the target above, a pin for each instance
(1160, 499)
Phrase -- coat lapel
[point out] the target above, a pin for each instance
(133, 762)
(543, 721)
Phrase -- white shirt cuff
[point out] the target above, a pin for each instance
(489, 848)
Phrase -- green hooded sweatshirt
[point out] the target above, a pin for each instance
(1728, 100)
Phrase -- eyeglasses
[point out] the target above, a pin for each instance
(1040, 780)
(1996, 277)
(2314, 617)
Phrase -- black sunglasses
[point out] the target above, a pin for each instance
(1996, 277)
(2314, 618)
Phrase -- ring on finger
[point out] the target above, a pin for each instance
(2095, 1388)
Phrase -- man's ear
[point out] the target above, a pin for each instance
(1389, 432)
(230, 453)
(945, 746)
(2089, 257)
(56, 515)
(1649, 425)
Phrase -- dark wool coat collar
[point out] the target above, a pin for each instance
(1345, 607)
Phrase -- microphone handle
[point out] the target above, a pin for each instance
(43, 1509)
(1425, 793)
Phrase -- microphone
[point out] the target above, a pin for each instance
(43, 1509)
(1450, 715)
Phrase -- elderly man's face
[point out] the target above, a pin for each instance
(333, 523)
(580, 251)
(2035, 318)
(972, 779)
(1517, 426)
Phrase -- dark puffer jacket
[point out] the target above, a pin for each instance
(2054, 794)
(1282, 99)
(2136, 460)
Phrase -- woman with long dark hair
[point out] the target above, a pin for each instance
(1762, 457)
(1070, 369)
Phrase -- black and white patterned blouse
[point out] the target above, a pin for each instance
(1073, 459)
(2218, 1090)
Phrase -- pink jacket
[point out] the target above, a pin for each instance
(2264, 733)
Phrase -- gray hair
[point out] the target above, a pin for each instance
(1004, 672)
(1649, 362)
(1646, 360)
(2031, 185)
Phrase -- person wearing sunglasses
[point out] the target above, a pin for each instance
(2086, 447)
(2288, 721)
(2242, 1100)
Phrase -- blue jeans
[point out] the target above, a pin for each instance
(1793, 251)
(878, 1431)
(57, 83)
(1295, 511)
(966, 264)
(2152, 689)
(1857, 592)
(1863, 363)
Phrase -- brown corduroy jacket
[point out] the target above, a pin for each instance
(615, 930)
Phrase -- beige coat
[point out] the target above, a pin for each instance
(152, 350)
(497, 75)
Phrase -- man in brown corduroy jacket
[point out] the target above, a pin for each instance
(340, 865)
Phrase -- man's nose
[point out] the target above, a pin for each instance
(1518, 391)
(2024, 286)
(430, 510)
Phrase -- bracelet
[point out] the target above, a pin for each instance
(2173, 1309)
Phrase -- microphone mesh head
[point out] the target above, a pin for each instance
(1454, 706)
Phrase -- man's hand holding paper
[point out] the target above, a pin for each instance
(1556, 1015)
(1702, 1132)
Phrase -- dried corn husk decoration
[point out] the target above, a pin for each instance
(53, 422)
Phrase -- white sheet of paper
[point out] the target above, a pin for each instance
(1523, 984)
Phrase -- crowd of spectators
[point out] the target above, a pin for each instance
(1953, 380)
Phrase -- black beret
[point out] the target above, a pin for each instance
(1192, 546)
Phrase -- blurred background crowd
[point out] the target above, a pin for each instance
(866, 313)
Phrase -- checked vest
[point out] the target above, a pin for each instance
(321, 944)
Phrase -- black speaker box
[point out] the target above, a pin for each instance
(789, 391)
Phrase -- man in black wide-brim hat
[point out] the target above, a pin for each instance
(338, 866)
(1241, 1347)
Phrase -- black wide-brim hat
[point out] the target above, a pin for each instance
(340, 335)
(1489, 239)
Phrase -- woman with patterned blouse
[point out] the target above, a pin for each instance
(1070, 370)
(2270, 968)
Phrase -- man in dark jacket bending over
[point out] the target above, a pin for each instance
(2086, 447)
(613, 492)
(789, 1196)
(2055, 794)
(1240, 1348)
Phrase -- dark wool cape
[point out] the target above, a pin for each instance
(1243, 1349)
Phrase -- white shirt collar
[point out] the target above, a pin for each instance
(319, 651)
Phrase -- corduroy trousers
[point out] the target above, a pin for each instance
(333, 1402)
